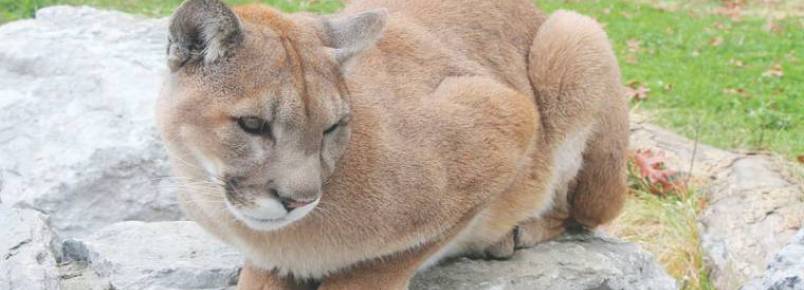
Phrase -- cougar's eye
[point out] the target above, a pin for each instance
(332, 128)
(254, 125)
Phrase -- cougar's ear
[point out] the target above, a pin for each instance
(204, 30)
(350, 35)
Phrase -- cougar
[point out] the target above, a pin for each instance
(350, 151)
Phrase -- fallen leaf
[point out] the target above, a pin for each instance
(731, 9)
(736, 91)
(633, 45)
(626, 15)
(774, 71)
(702, 204)
(654, 171)
(629, 93)
(772, 26)
(667, 7)
(639, 93)
(631, 58)
(716, 41)
(736, 62)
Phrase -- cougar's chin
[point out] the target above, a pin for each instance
(267, 214)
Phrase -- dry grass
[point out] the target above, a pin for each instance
(667, 227)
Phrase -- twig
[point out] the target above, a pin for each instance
(694, 151)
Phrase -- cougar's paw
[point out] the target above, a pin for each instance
(535, 231)
(504, 248)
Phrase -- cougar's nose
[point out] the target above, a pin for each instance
(290, 203)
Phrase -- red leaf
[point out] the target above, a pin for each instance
(653, 170)
(639, 93)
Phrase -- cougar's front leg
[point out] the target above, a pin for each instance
(387, 273)
(253, 278)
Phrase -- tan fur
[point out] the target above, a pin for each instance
(461, 115)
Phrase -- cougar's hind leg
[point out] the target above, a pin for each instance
(600, 193)
(548, 225)
(577, 84)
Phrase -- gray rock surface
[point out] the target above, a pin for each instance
(754, 208)
(682, 153)
(27, 258)
(786, 271)
(77, 138)
(573, 262)
(753, 213)
(180, 255)
(159, 255)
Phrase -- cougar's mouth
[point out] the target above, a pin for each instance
(268, 214)
(263, 220)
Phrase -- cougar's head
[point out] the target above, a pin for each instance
(255, 107)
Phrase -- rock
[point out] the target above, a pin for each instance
(161, 255)
(753, 213)
(27, 255)
(754, 208)
(1, 187)
(574, 262)
(77, 137)
(682, 153)
(180, 255)
(786, 271)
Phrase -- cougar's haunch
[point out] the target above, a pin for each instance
(349, 151)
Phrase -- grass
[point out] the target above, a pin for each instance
(17, 9)
(709, 73)
(667, 227)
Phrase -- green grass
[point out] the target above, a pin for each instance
(717, 90)
(17, 9)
